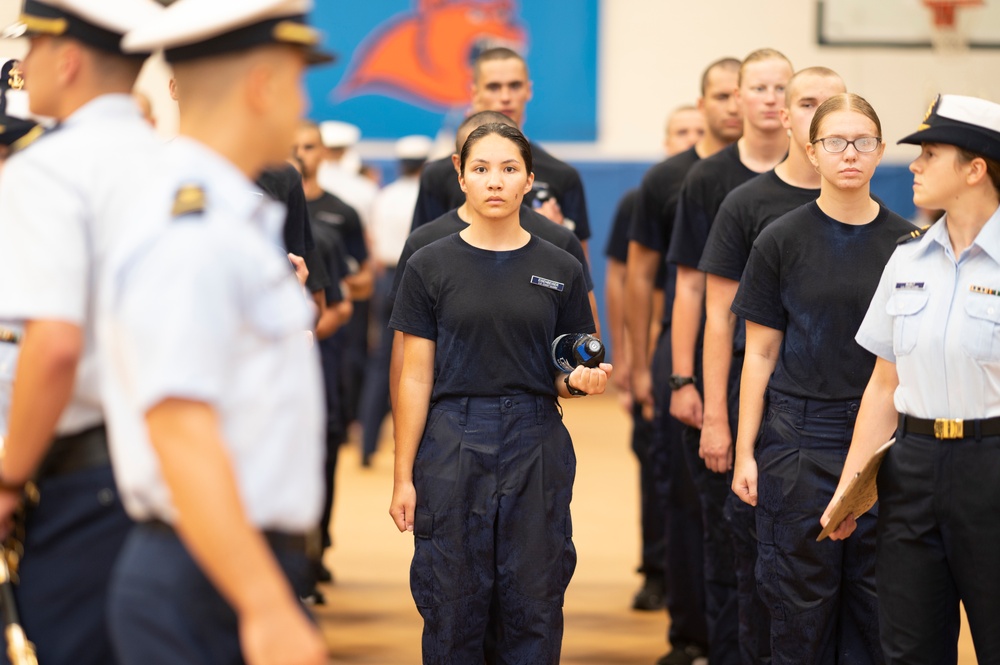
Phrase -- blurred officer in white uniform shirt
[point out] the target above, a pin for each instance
(62, 204)
(12, 131)
(217, 405)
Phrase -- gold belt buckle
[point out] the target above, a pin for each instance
(947, 428)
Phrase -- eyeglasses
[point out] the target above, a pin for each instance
(836, 144)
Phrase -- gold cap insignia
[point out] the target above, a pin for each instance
(290, 32)
(930, 112)
(15, 80)
(41, 25)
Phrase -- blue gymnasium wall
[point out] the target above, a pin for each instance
(404, 65)
(606, 182)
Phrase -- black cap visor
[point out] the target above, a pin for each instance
(975, 139)
(39, 19)
(291, 31)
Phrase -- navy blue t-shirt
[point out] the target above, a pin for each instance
(531, 221)
(333, 254)
(284, 185)
(329, 209)
(705, 187)
(653, 218)
(492, 315)
(812, 278)
(563, 182)
(617, 245)
(440, 191)
(744, 213)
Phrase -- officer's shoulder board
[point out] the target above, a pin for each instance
(913, 235)
(189, 200)
(30, 137)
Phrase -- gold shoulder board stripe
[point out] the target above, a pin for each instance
(190, 199)
(33, 135)
(913, 235)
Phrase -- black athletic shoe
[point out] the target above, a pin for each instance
(650, 597)
(323, 574)
(686, 655)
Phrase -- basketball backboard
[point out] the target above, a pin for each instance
(901, 24)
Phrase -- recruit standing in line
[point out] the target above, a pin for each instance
(802, 364)
(484, 465)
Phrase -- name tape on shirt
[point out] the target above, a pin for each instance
(984, 290)
(913, 286)
(547, 283)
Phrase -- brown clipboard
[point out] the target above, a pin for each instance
(861, 493)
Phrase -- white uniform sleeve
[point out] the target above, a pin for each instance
(44, 245)
(875, 333)
(178, 314)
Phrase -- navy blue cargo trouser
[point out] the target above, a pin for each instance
(821, 596)
(493, 550)
(684, 563)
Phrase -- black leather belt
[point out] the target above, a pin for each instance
(76, 452)
(950, 428)
(278, 540)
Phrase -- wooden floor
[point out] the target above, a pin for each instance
(370, 618)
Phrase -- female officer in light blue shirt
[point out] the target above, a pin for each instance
(934, 324)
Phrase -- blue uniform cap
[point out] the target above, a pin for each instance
(969, 123)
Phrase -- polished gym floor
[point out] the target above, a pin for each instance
(369, 615)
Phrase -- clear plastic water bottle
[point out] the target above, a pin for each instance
(573, 349)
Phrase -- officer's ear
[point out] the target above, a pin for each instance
(456, 161)
(975, 170)
(69, 59)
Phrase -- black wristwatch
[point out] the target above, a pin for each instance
(573, 391)
(677, 381)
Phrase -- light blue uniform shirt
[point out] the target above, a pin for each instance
(62, 206)
(206, 307)
(937, 316)
(8, 364)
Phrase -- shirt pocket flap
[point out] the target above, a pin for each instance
(906, 303)
(983, 307)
